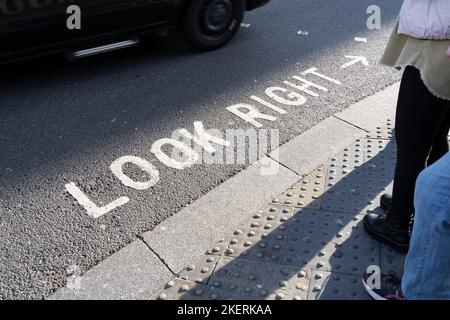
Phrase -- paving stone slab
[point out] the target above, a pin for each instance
(131, 273)
(354, 192)
(218, 248)
(350, 157)
(261, 280)
(384, 131)
(263, 237)
(200, 271)
(309, 239)
(352, 238)
(265, 249)
(303, 154)
(178, 289)
(305, 193)
(331, 258)
(335, 286)
(392, 262)
(373, 110)
(380, 156)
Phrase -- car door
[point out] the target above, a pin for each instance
(26, 23)
(31, 24)
(106, 16)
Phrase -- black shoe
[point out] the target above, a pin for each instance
(380, 228)
(389, 288)
(386, 202)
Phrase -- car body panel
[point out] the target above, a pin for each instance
(34, 27)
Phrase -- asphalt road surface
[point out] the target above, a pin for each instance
(64, 123)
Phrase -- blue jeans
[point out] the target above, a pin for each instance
(427, 266)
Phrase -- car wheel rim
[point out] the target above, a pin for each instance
(216, 16)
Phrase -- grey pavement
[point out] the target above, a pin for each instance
(67, 122)
(129, 274)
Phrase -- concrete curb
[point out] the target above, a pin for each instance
(192, 231)
(130, 273)
(138, 270)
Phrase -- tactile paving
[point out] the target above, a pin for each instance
(218, 248)
(261, 280)
(309, 239)
(201, 270)
(380, 156)
(305, 193)
(348, 250)
(385, 131)
(263, 238)
(352, 238)
(355, 191)
(334, 286)
(178, 289)
(349, 158)
(392, 262)
(331, 258)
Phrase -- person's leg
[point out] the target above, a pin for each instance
(427, 266)
(420, 116)
(438, 150)
(440, 145)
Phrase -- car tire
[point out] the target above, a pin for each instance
(210, 24)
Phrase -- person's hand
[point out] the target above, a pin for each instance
(448, 52)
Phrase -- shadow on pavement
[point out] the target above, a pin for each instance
(319, 251)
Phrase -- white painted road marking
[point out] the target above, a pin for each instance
(306, 84)
(358, 39)
(355, 60)
(91, 208)
(293, 98)
(251, 114)
(202, 138)
(189, 156)
(187, 151)
(117, 169)
(313, 71)
(268, 105)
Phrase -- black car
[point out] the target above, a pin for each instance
(86, 27)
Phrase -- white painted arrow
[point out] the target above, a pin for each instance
(355, 60)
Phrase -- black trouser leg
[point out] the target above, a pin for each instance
(420, 122)
(440, 145)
